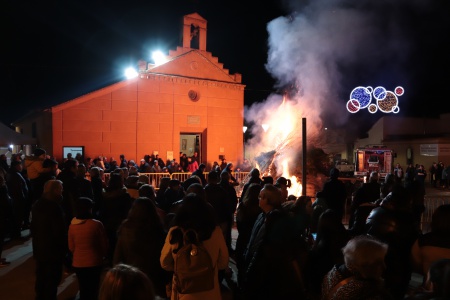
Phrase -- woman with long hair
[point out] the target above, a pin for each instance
(140, 240)
(195, 213)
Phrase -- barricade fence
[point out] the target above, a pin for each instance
(155, 178)
(431, 202)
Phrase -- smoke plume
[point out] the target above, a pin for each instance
(317, 55)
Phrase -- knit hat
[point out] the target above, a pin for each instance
(49, 162)
(38, 152)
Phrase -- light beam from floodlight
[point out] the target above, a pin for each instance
(158, 58)
(131, 73)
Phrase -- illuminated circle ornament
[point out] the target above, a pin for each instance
(387, 104)
(386, 101)
(379, 93)
(193, 95)
(399, 91)
(353, 106)
(373, 108)
(363, 95)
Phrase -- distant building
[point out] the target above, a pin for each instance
(190, 103)
(414, 140)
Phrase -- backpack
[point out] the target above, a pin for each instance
(194, 270)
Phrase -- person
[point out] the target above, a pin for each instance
(140, 240)
(282, 183)
(123, 282)
(88, 244)
(18, 190)
(231, 205)
(363, 202)
(229, 168)
(160, 161)
(200, 173)
(70, 192)
(192, 165)
(326, 250)
(116, 204)
(388, 184)
(420, 176)
(270, 265)
(254, 177)
(434, 170)
(83, 184)
(393, 223)
(432, 245)
(247, 212)
(4, 167)
(144, 167)
(409, 174)
(360, 276)
(438, 281)
(97, 190)
(446, 177)
(38, 184)
(398, 173)
(194, 213)
(172, 194)
(195, 157)
(318, 207)
(223, 164)
(215, 167)
(183, 162)
(335, 193)
(33, 163)
(5, 217)
(123, 161)
(148, 191)
(216, 195)
(163, 185)
(155, 168)
(49, 240)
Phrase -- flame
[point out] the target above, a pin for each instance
(296, 186)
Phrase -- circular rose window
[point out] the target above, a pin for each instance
(193, 95)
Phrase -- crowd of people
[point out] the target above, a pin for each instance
(120, 237)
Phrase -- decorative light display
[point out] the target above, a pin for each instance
(385, 101)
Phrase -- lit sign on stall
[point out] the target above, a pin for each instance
(385, 101)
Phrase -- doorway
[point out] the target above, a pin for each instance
(191, 143)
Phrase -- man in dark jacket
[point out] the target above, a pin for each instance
(335, 193)
(49, 233)
(270, 257)
(18, 190)
(200, 173)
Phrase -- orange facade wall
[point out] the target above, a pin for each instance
(148, 114)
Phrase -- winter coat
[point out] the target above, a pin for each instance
(87, 242)
(49, 231)
(140, 245)
(356, 289)
(218, 251)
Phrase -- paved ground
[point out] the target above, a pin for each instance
(17, 280)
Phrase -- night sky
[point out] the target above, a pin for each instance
(54, 51)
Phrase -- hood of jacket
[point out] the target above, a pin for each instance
(76, 221)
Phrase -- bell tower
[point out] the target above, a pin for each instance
(194, 32)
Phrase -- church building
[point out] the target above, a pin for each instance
(188, 104)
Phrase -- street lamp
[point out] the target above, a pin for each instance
(244, 129)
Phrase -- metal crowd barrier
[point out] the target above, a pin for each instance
(431, 203)
(155, 178)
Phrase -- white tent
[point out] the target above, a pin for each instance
(10, 137)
